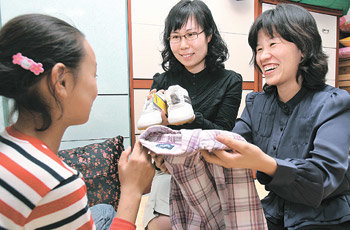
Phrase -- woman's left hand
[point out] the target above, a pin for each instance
(243, 155)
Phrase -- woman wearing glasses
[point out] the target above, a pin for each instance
(193, 58)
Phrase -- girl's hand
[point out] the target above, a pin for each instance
(135, 170)
(135, 174)
(243, 155)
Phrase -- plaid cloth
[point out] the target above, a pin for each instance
(204, 195)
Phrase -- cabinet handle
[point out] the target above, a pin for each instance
(325, 31)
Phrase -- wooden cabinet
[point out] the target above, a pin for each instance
(344, 74)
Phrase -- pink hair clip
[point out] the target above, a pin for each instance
(27, 63)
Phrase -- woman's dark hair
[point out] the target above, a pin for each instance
(177, 17)
(44, 39)
(294, 24)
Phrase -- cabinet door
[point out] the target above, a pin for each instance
(327, 27)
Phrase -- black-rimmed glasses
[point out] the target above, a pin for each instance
(190, 36)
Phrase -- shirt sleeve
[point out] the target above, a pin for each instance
(243, 124)
(228, 110)
(121, 224)
(308, 181)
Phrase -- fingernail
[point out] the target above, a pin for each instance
(219, 137)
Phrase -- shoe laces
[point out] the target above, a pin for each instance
(177, 96)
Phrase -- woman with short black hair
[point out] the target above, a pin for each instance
(297, 129)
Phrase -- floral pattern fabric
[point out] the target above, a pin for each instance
(98, 163)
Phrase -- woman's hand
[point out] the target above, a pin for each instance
(164, 117)
(135, 169)
(135, 175)
(165, 121)
(149, 96)
(243, 155)
(159, 161)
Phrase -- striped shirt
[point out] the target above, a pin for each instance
(204, 195)
(37, 189)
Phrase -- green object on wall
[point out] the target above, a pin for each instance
(343, 5)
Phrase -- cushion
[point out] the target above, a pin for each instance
(98, 163)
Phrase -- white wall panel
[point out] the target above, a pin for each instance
(146, 48)
(240, 55)
(104, 24)
(109, 117)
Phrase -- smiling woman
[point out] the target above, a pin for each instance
(297, 128)
(193, 57)
(278, 59)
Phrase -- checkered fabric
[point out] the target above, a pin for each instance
(204, 195)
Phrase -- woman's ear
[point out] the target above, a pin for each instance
(209, 37)
(301, 57)
(59, 80)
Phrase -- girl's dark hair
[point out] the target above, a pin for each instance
(177, 17)
(44, 39)
(294, 24)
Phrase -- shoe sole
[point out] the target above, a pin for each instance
(177, 123)
(182, 122)
(145, 127)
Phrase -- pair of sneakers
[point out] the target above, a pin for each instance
(175, 102)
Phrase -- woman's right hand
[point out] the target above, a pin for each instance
(149, 96)
(135, 170)
(242, 155)
(164, 117)
(135, 175)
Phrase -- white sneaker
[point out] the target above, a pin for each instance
(180, 109)
(152, 111)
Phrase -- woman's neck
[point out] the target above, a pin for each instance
(51, 137)
(287, 92)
